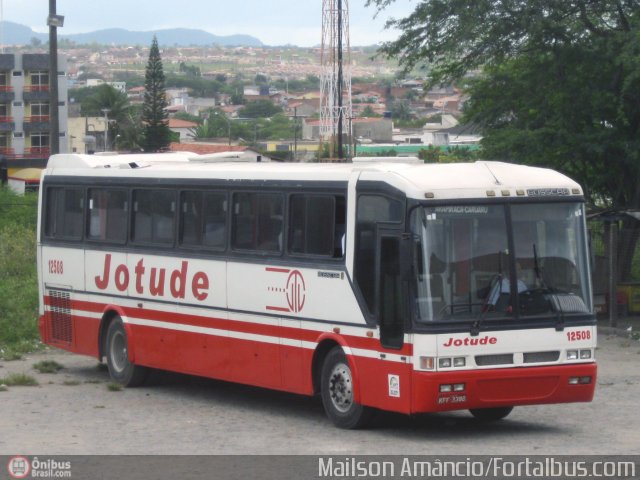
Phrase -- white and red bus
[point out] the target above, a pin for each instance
(397, 286)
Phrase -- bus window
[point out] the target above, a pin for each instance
(153, 216)
(64, 213)
(204, 218)
(257, 222)
(107, 215)
(312, 225)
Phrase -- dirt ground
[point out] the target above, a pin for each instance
(74, 412)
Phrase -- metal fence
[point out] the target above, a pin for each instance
(615, 269)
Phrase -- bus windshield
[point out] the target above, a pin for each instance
(500, 261)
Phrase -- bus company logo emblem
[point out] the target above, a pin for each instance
(394, 386)
(295, 290)
(18, 467)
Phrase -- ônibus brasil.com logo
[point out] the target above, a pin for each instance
(22, 467)
(19, 467)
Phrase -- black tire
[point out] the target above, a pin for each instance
(337, 393)
(116, 349)
(491, 414)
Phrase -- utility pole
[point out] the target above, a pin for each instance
(295, 134)
(106, 127)
(54, 21)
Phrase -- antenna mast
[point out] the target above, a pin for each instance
(335, 78)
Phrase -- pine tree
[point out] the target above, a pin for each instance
(154, 115)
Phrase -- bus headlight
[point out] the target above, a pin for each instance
(459, 362)
(444, 363)
(585, 354)
(572, 354)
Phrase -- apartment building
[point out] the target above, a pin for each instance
(25, 106)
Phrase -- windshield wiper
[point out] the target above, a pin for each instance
(536, 267)
(477, 324)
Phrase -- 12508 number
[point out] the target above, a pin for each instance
(578, 335)
(56, 267)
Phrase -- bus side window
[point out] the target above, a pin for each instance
(65, 207)
(257, 222)
(153, 216)
(107, 215)
(203, 219)
(215, 220)
(312, 225)
(191, 211)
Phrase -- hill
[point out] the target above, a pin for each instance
(16, 34)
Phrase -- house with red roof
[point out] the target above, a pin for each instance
(182, 127)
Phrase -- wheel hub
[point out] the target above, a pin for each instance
(119, 354)
(340, 387)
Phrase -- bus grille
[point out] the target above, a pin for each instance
(538, 357)
(486, 360)
(60, 311)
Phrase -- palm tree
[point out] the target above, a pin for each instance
(115, 102)
(105, 96)
(131, 134)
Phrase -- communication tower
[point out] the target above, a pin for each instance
(335, 78)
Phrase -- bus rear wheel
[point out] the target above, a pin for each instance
(337, 392)
(117, 350)
(491, 414)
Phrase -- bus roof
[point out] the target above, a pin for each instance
(439, 181)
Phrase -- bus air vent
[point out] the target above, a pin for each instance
(539, 357)
(61, 324)
(502, 359)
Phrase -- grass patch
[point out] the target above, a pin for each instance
(18, 275)
(19, 380)
(48, 366)
(114, 387)
(71, 383)
(93, 381)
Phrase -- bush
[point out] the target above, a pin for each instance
(18, 274)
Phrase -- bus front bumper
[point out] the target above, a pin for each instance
(470, 389)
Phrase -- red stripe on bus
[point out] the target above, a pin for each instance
(240, 326)
(278, 309)
(277, 270)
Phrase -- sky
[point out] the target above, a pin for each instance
(274, 22)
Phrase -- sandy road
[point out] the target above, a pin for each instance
(73, 412)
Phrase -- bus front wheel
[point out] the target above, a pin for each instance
(120, 368)
(491, 414)
(337, 392)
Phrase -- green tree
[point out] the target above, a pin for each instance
(157, 135)
(188, 117)
(559, 86)
(189, 70)
(200, 87)
(96, 99)
(400, 110)
(237, 98)
(259, 108)
(368, 112)
(217, 125)
(131, 132)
